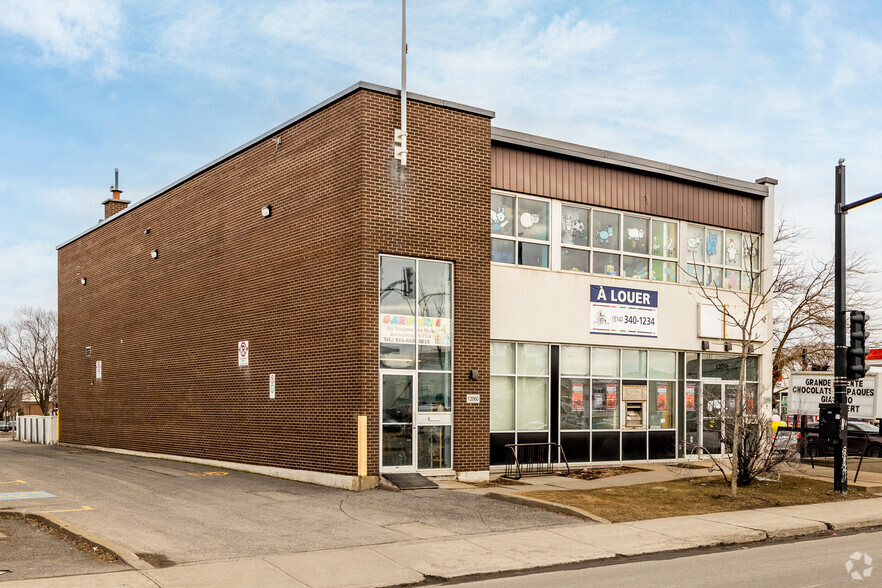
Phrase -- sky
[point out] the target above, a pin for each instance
(744, 89)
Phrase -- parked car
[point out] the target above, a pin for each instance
(859, 433)
(7, 426)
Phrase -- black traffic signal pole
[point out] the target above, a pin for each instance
(840, 377)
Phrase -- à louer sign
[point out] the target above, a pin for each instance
(624, 311)
(809, 389)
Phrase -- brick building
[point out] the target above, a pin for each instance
(308, 307)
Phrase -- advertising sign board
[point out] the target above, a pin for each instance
(810, 389)
(624, 311)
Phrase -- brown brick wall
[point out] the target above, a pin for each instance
(301, 287)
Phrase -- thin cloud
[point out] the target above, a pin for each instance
(68, 32)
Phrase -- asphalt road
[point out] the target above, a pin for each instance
(811, 563)
(178, 512)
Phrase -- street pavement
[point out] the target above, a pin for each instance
(180, 524)
(816, 563)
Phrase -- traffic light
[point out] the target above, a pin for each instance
(857, 354)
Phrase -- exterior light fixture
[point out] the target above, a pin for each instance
(727, 346)
(266, 211)
(474, 375)
(83, 280)
(750, 348)
(154, 254)
(705, 345)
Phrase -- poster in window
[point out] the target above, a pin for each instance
(578, 396)
(612, 397)
(690, 397)
(661, 402)
(598, 400)
(749, 403)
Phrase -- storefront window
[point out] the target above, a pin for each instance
(434, 392)
(532, 404)
(662, 364)
(518, 403)
(605, 404)
(502, 407)
(575, 403)
(605, 362)
(575, 361)
(502, 358)
(661, 404)
(532, 359)
(397, 312)
(435, 296)
(633, 363)
(415, 354)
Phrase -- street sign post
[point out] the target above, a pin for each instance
(841, 371)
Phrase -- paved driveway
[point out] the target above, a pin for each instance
(165, 510)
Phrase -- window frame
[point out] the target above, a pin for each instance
(516, 239)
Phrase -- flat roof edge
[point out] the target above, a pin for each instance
(519, 139)
(278, 128)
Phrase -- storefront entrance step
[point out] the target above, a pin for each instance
(411, 481)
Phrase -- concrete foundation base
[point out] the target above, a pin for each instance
(320, 478)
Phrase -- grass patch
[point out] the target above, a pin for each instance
(693, 496)
(496, 483)
(598, 473)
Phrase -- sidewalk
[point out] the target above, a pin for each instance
(444, 558)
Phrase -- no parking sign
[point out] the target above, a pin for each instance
(242, 352)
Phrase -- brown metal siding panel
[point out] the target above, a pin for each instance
(523, 171)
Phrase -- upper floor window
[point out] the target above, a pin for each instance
(718, 258)
(615, 244)
(519, 229)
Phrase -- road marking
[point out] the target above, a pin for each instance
(14, 482)
(208, 473)
(71, 510)
(25, 495)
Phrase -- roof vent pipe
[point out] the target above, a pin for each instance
(115, 203)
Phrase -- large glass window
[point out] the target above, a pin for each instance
(518, 387)
(519, 230)
(722, 259)
(415, 352)
(607, 388)
(397, 312)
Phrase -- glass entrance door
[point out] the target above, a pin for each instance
(712, 416)
(398, 426)
(416, 421)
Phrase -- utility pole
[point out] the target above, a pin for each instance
(840, 383)
(401, 134)
(842, 372)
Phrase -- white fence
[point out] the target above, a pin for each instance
(37, 429)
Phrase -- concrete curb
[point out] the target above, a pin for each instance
(78, 534)
(546, 505)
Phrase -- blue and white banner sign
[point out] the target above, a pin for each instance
(624, 311)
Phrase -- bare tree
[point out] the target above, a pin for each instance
(10, 393)
(804, 301)
(30, 341)
(743, 313)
